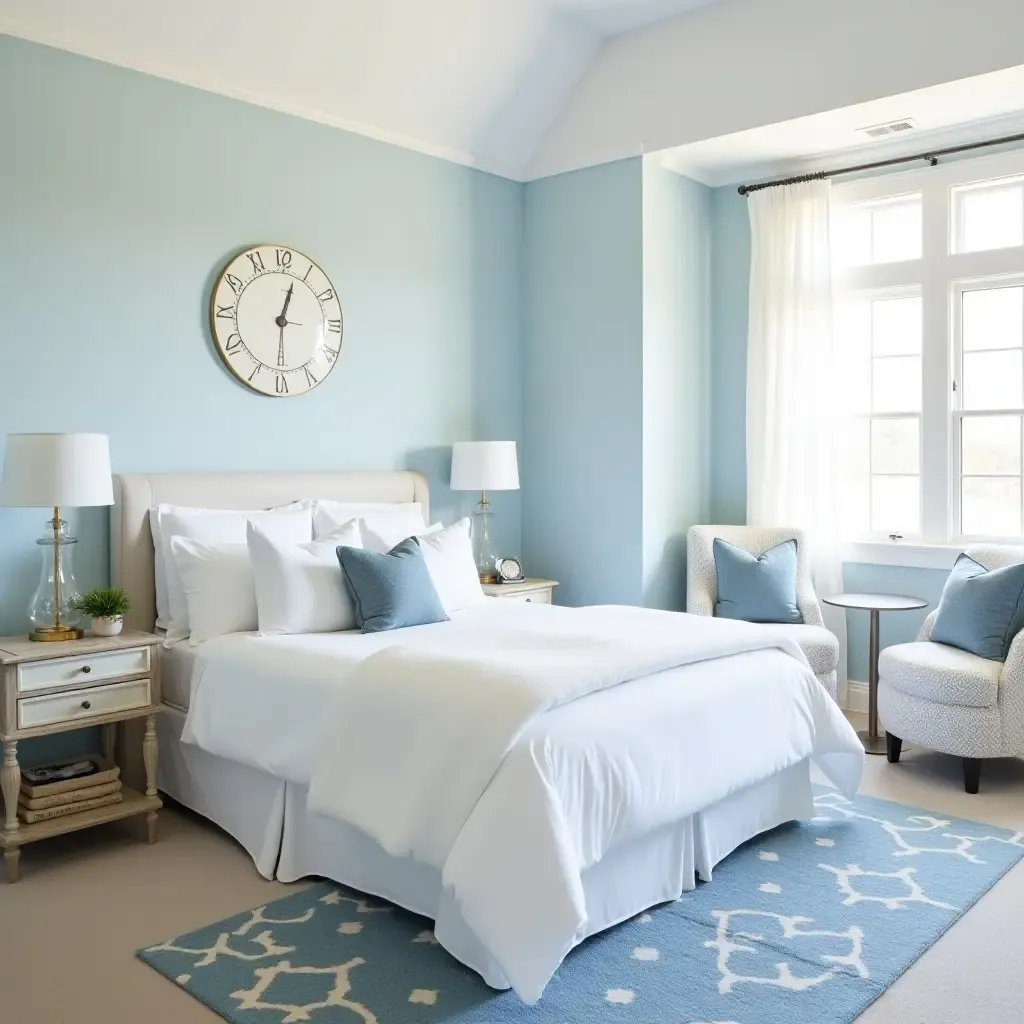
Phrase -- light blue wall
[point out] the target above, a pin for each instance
(676, 376)
(730, 280)
(121, 195)
(582, 469)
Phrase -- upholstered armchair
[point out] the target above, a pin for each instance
(952, 701)
(820, 647)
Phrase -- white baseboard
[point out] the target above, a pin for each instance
(856, 697)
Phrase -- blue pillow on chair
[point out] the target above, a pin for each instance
(390, 591)
(756, 589)
(981, 611)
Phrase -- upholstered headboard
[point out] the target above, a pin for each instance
(131, 542)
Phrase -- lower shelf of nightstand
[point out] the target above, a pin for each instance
(132, 803)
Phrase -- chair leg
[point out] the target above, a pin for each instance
(893, 747)
(972, 774)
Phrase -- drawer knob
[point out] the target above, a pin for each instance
(86, 669)
(529, 599)
(86, 705)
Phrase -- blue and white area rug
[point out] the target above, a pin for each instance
(804, 925)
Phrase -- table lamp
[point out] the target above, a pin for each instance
(484, 466)
(50, 470)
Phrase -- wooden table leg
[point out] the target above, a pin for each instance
(109, 740)
(149, 756)
(10, 783)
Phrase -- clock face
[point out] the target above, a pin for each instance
(276, 320)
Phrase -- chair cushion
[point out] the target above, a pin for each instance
(943, 674)
(981, 611)
(820, 647)
(761, 589)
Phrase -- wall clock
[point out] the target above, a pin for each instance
(276, 320)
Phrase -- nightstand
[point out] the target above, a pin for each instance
(537, 591)
(48, 688)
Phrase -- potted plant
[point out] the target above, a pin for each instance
(106, 606)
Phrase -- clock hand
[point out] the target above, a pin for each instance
(280, 348)
(283, 318)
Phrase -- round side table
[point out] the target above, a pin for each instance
(874, 603)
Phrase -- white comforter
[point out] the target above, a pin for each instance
(440, 748)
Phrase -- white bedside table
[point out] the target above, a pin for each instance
(49, 688)
(536, 590)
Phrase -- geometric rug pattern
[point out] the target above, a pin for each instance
(806, 924)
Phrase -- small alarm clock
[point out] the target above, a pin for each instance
(510, 570)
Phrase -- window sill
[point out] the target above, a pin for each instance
(902, 553)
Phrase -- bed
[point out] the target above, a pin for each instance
(229, 759)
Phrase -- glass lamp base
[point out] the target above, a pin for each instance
(483, 551)
(55, 634)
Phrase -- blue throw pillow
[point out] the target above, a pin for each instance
(390, 591)
(981, 611)
(756, 589)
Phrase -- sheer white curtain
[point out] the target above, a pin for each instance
(792, 418)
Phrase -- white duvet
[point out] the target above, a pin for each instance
(468, 746)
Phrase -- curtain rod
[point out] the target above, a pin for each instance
(932, 156)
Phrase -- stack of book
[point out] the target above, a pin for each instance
(67, 787)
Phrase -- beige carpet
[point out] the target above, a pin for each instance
(86, 902)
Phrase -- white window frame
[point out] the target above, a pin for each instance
(941, 274)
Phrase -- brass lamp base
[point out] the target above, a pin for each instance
(54, 634)
(488, 578)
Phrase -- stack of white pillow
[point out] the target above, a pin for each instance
(276, 571)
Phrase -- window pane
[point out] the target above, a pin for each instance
(990, 445)
(852, 238)
(895, 504)
(993, 380)
(990, 507)
(856, 506)
(896, 326)
(994, 318)
(992, 218)
(896, 232)
(855, 451)
(853, 340)
(895, 447)
(896, 384)
(887, 232)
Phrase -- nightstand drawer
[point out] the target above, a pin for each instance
(85, 668)
(75, 705)
(534, 596)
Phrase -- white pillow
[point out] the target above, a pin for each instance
(386, 536)
(291, 526)
(449, 556)
(161, 551)
(300, 587)
(218, 588)
(405, 518)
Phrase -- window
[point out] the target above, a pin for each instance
(930, 335)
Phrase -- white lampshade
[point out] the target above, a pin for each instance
(47, 470)
(484, 466)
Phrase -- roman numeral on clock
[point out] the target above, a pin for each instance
(334, 326)
(227, 312)
(257, 262)
(281, 384)
(310, 379)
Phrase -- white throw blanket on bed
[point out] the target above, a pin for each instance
(419, 730)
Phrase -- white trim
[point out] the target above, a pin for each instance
(856, 697)
(894, 552)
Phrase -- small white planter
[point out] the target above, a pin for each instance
(103, 625)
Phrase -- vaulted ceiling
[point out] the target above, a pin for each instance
(527, 88)
(476, 81)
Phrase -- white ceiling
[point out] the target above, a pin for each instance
(527, 88)
(474, 81)
(986, 106)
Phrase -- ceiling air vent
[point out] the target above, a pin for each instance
(878, 131)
